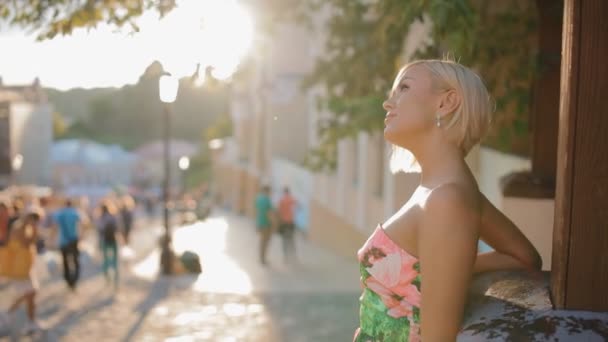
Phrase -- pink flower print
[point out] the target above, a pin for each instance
(391, 278)
(411, 294)
(396, 274)
(387, 270)
(396, 307)
(388, 298)
(371, 256)
(374, 255)
(388, 245)
(401, 310)
(414, 331)
(378, 239)
(407, 273)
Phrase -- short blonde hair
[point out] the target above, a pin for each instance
(468, 124)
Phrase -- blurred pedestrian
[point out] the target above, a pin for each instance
(149, 205)
(127, 212)
(287, 207)
(83, 206)
(107, 225)
(264, 220)
(16, 263)
(4, 219)
(16, 212)
(68, 220)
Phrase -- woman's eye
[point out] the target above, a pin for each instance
(403, 87)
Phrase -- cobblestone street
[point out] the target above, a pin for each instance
(235, 299)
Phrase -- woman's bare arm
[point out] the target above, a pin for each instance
(512, 250)
(447, 245)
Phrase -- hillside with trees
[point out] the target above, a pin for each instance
(132, 115)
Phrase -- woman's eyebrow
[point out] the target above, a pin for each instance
(390, 92)
(403, 79)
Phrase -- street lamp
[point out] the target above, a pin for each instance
(183, 164)
(167, 86)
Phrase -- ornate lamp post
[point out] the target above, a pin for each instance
(168, 87)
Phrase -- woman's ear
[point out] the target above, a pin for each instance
(450, 100)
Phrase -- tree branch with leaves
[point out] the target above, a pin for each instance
(364, 50)
(49, 18)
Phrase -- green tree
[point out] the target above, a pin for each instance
(364, 50)
(74, 104)
(59, 125)
(220, 128)
(103, 113)
(79, 129)
(49, 18)
(132, 114)
(200, 169)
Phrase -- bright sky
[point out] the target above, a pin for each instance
(212, 32)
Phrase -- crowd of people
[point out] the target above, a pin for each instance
(29, 226)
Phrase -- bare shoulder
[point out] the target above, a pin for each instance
(453, 195)
(453, 206)
(447, 241)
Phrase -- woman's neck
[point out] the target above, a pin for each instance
(439, 163)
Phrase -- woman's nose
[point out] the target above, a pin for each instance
(387, 105)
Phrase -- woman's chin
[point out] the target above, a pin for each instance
(395, 138)
(389, 135)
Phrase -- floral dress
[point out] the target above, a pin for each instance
(390, 303)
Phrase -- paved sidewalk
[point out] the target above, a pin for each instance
(56, 304)
(234, 299)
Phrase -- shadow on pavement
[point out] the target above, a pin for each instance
(158, 292)
(312, 300)
(72, 318)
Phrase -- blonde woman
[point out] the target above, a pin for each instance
(416, 266)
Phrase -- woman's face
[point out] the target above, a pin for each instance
(410, 107)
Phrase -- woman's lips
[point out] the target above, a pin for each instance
(388, 117)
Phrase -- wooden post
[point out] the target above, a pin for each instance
(579, 276)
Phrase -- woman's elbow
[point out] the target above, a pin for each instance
(532, 259)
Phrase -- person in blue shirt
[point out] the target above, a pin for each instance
(264, 218)
(67, 220)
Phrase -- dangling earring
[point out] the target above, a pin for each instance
(438, 120)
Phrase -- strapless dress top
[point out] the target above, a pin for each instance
(390, 303)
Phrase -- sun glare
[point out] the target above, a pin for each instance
(213, 32)
(210, 32)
